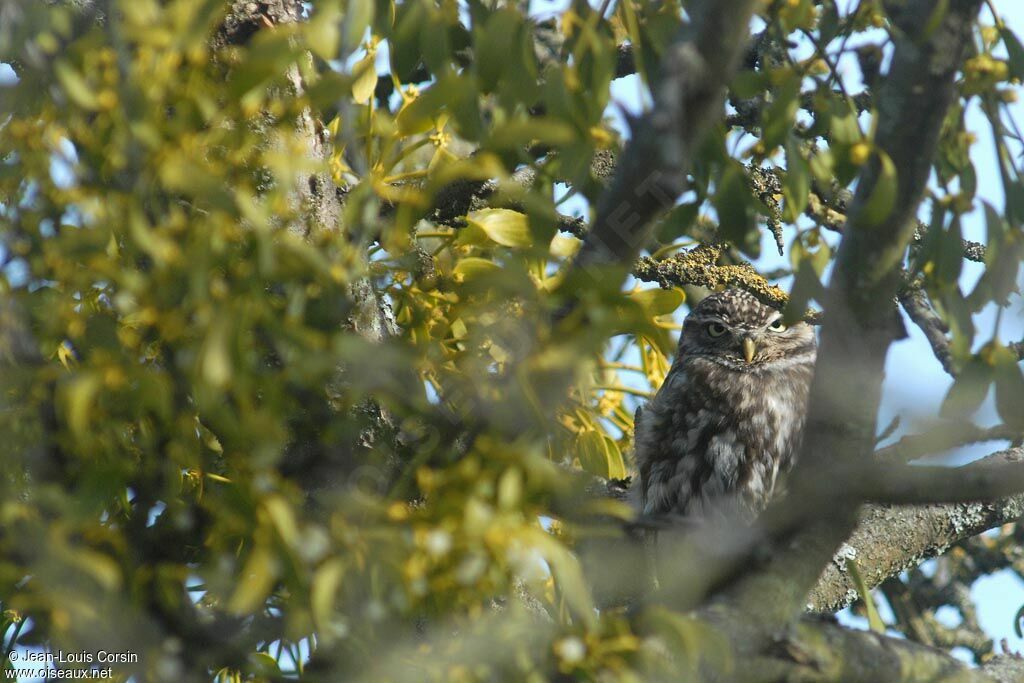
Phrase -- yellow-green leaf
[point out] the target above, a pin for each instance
(365, 72)
(563, 246)
(280, 513)
(215, 363)
(566, 570)
(874, 619)
(473, 266)
(616, 466)
(99, 566)
(883, 195)
(255, 583)
(658, 301)
(80, 397)
(75, 85)
(506, 227)
(323, 591)
(323, 31)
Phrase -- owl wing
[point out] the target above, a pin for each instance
(661, 448)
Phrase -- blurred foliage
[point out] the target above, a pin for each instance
(205, 444)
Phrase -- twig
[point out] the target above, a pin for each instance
(917, 306)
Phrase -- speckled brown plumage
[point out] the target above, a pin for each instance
(728, 419)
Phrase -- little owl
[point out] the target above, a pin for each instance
(729, 417)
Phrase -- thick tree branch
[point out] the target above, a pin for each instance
(889, 540)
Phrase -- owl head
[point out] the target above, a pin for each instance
(734, 329)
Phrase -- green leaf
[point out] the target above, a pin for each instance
(420, 115)
(939, 12)
(930, 243)
(283, 519)
(517, 134)
(949, 257)
(819, 258)
(404, 44)
(358, 17)
(473, 267)
(1014, 50)
(843, 127)
(565, 246)
(797, 185)
(874, 619)
(698, 643)
(778, 118)
(1009, 388)
(956, 311)
(749, 83)
(265, 664)
(506, 227)
(677, 222)
(615, 464)
(266, 58)
(882, 199)
(495, 45)
(734, 204)
(464, 105)
(1004, 252)
(75, 85)
(569, 578)
(822, 165)
(80, 396)
(323, 30)
(365, 72)
(215, 361)
(255, 583)
(322, 593)
(968, 391)
(806, 286)
(658, 301)
(590, 450)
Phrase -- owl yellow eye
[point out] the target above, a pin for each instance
(777, 325)
(715, 329)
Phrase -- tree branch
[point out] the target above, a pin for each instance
(889, 540)
(700, 266)
(859, 325)
(915, 303)
(825, 652)
(943, 437)
(1005, 669)
(689, 94)
(999, 475)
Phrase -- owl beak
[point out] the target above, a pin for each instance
(749, 349)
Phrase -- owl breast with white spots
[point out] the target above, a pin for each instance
(727, 422)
